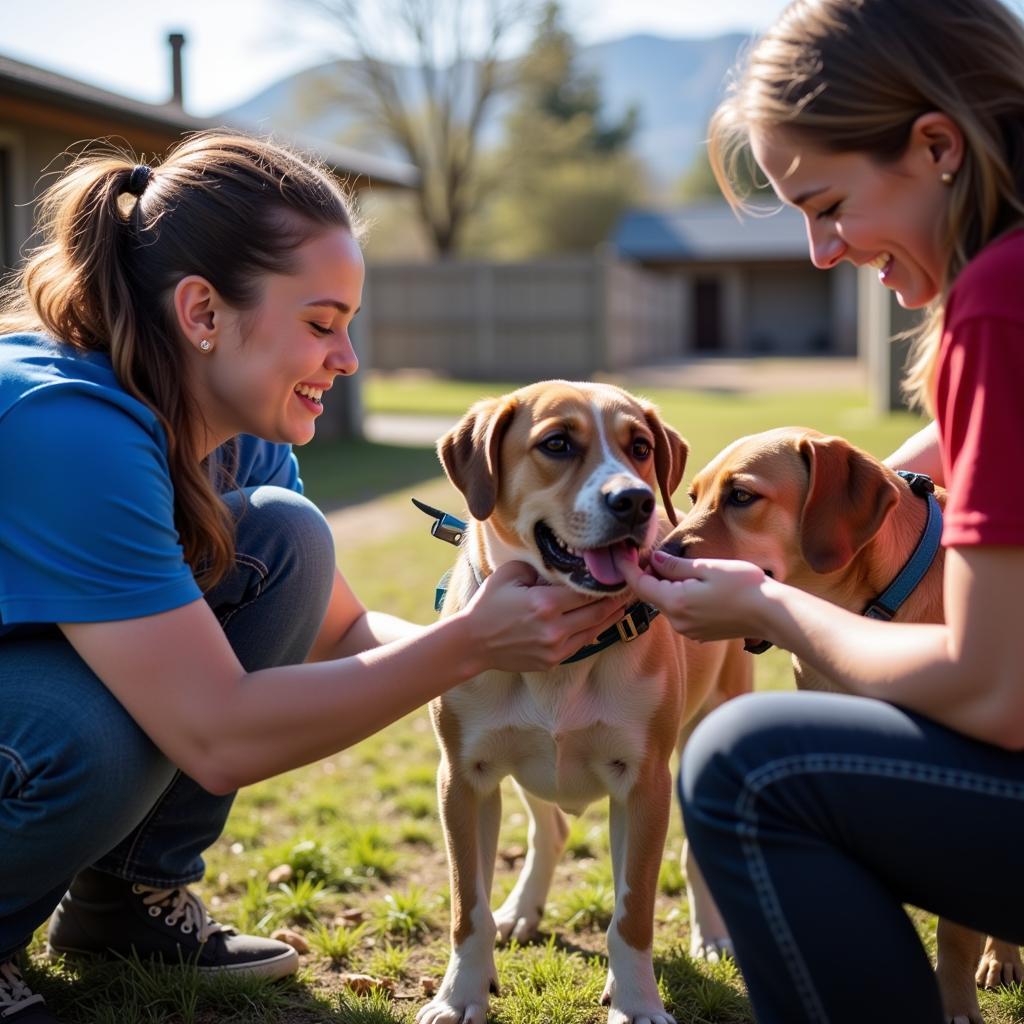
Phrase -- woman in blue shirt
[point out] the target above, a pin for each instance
(172, 622)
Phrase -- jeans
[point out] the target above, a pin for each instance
(81, 784)
(816, 816)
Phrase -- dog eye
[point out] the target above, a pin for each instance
(641, 449)
(556, 444)
(738, 496)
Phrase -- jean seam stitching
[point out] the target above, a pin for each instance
(768, 774)
(262, 571)
(20, 768)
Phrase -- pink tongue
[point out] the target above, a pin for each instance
(603, 563)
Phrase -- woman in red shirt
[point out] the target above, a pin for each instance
(897, 128)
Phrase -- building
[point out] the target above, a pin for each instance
(44, 116)
(748, 287)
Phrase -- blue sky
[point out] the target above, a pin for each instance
(236, 47)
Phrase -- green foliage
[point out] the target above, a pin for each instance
(565, 173)
(405, 913)
(339, 944)
(374, 1008)
(297, 903)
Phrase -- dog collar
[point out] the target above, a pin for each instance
(634, 623)
(888, 603)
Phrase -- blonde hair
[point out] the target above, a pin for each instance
(225, 206)
(854, 75)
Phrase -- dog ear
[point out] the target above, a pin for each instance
(848, 499)
(469, 453)
(670, 452)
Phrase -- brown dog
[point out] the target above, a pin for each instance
(564, 476)
(819, 514)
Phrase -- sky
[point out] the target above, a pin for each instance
(235, 48)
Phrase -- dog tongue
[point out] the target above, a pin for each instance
(603, 563)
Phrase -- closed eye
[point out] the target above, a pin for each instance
(321, 330)
(829, 212)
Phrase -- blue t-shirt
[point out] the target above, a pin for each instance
(87, 528)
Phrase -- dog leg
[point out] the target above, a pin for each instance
(709, 936)
(958, 952)
(470, 822)
(1000, 964)
(638, 828)
(519, 916)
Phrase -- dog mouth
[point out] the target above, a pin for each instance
(589, 568)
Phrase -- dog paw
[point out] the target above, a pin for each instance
(966, 1018)
(439, 1011)
(1000, 964)
(712, 950)
(515, 922)
(658, 1016)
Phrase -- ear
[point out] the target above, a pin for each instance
(196, 305)
(670, 452)
(470, 452)
(939, 138)
(849, 497)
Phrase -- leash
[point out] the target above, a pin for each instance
(634, 623)
(888, 603)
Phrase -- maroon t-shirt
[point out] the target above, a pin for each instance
(980, 398)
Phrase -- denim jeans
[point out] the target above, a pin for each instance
(81, 784)
(816, 816)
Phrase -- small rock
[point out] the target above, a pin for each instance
(428, 985)
(511, 855)
(351, 916)
(294, 939)
(282, 873)
(364, 984)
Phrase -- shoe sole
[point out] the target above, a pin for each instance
(273, 967)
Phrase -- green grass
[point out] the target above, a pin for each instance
(359, 830)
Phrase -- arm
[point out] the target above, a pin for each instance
(178, 677)
(965, 674)
(348, 628)
(920, 453)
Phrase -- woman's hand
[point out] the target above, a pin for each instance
(703, 598)
(522, 624)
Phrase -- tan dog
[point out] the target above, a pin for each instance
(563, 476)
(826, 517)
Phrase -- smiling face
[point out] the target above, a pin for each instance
(269, 366)
(887, 215)
(564, 476)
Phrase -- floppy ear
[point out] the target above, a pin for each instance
(670, 452)
(469, 453)
(848, 498)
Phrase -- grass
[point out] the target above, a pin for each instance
(359, 834)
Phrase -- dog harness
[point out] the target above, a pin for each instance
(634, 623)
(888, 603)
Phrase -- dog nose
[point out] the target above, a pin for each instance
(674, 546)
(631, 505)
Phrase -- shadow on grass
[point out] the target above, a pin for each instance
(347, 472)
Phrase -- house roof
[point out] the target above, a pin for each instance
(35, 84)
(711, 232)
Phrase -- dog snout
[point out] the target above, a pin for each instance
(631, 506)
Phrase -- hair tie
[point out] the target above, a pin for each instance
(139, 179)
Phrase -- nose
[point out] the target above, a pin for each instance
(827, 247)
(631, 506)
(674, 546)
(341, 357)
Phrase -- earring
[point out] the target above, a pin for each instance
(946, 177)
(206, 345)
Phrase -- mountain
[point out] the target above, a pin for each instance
(674, 83)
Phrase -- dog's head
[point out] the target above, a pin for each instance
(564, 476)
(793, 501)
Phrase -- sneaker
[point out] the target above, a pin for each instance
(18, 1003)
(102, 914)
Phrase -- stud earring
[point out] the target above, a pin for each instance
(946, 177)
(206, 345)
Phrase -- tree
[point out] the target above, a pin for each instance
(565, 172)
(699, 182)
(433, 117)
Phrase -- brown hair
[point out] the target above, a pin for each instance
(854, 75)
(224, 206)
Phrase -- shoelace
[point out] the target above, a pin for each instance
(13, 990)
(184, 906)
